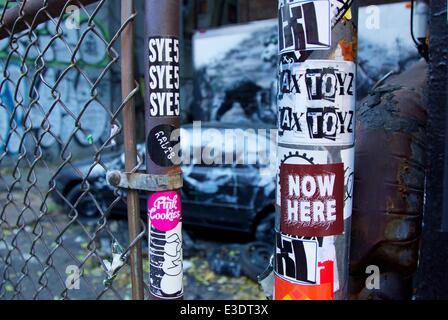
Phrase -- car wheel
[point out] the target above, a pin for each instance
(255, 257)
(86, 207)
(265, 229)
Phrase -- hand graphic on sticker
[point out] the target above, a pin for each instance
(171, 282)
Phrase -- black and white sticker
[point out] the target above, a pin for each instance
(296, 259)
(301, 259)
(161, 147)
(338, 9)
(304, 25)
(165, 269)
(164, 86)
(317, 103)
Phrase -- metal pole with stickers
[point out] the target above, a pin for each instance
(162, 122)
(316, 124)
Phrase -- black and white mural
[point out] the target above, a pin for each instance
(235, 71)
(236, 66)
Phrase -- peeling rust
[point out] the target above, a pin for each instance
(145, 182)
(389, 180)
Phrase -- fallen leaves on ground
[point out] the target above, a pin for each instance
(202, 283)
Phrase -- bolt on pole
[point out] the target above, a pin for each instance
(162, 123)
(316, 124)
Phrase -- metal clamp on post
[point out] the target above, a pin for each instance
(145, 182)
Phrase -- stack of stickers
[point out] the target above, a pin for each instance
(164, 208)
(316, 102)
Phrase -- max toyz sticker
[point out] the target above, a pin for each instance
(316, 103)
(165, 245)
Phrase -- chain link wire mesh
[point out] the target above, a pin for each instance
(60, 102)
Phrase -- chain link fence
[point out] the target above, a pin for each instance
(61, 102)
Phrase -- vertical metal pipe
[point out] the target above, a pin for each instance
(162, 122)
(130, 142)
(316, 100)
(432, 281)
(31, 13)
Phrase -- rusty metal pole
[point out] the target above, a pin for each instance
(162, 122)
(130, 143)
(316, 101)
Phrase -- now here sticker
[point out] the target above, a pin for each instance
(312, 200)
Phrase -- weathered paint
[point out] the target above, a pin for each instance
(390, 177)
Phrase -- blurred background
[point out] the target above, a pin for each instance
(57, 208)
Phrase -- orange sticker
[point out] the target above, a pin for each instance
(286, 290)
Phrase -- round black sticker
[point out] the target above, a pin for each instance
(160, 147)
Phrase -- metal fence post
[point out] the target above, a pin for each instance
(162, 121)
(130, 142)
(316, 100)
(59, 106)
(433, 259)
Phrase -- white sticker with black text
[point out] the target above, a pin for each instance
(317, 103)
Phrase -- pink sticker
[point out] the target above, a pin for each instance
(164, 210)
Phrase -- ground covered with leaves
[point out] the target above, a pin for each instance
(37, 252)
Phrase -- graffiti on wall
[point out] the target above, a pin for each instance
(11, 119)
(92, 51)
(63, 113)
(51, 120)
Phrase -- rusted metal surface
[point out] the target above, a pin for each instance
(130, 144)
(389, 183)
(145, 182)
(34, 12)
